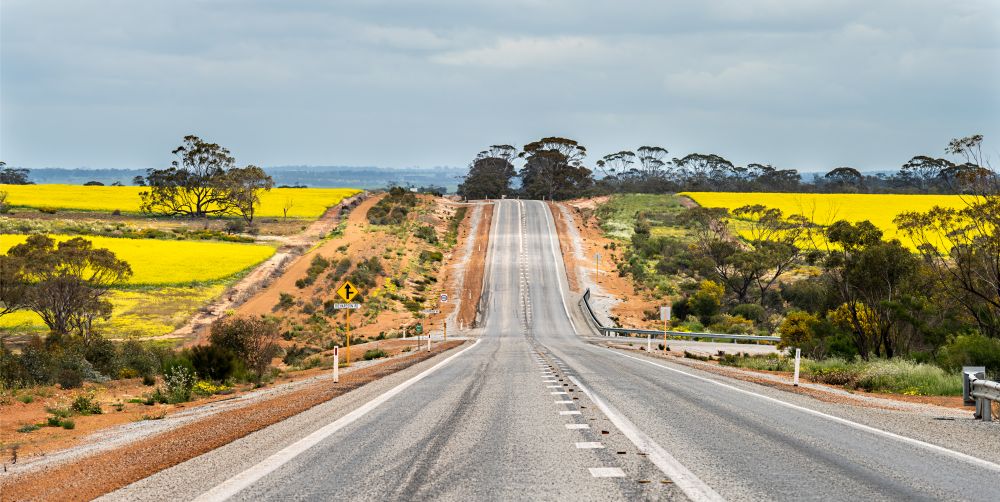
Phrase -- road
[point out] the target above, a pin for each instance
(532, 411)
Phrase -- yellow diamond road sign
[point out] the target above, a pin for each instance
(347, 291)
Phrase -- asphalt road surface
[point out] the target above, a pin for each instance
(533, 411)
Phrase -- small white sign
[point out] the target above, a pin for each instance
(444, 298)
(347, 305)
(430, 311)
(665, 313)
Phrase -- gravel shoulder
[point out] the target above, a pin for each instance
(131, 455)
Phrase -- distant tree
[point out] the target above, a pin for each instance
(617, 164)
(195, 185)
(845, 177)
(922, 172)
(554, 169)
(68, 282)
(139, 181)
(245, 184)
(13, 176)
(703, 171)
(651, 161)
(93, 183)
(490, 174)
(767, 177)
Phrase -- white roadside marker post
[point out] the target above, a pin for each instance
(649, 343)
(795, 379)
(336, 364)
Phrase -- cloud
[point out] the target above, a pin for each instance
(530, 52)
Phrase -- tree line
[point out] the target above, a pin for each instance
(556, 168)
(842, 289)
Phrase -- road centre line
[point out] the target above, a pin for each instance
(867, 428)
(235, 484)
(694, 488)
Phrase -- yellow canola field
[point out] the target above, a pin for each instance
(825, 209)
(306, 203)
(162, 262)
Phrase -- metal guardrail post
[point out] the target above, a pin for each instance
(967, 374)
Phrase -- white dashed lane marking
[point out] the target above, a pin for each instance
(589, 445)
(562, 402)
(572, 412)
(577, 426)
(606, 472)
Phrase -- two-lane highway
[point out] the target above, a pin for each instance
(532, 411)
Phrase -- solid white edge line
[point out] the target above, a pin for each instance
(867, 428)
(694, 488)
(235, 484)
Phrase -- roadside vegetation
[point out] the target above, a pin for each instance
(890, 274)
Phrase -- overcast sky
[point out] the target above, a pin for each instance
(798, 83)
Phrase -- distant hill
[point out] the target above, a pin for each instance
(313, 176)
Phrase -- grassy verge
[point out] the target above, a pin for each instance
(892, 376)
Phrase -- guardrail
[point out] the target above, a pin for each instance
(983, 392)
(614, 331)
(586, 306)
(690, 334)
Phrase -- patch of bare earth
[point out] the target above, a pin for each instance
(94, 475)
(474, 268)
(581, 267)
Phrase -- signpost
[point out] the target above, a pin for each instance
(444, 298)
(597, 275)
(348, 291)
(665, 317)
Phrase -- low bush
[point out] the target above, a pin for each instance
(374, 354)
(426, 233)
(971, 350)
(179, 380)
(763, 362)
(28, 428)
(213, 362)
(85, 405)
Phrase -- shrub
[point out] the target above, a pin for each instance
(295, 355)
(797, 330)
(374, 354)
(707, 301)
(426, 233)
(285, 301)
(908, 377)
(179, 380)
(750, 311)
(833, 371)
(213, 362)
(144, 361)
(68, 424)
(205, 388)
(27, 399)
(69, 378)
(28, 428)
(971, 350)
(763, 362)
(254, 340)
(431, 256)
(85, 405)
